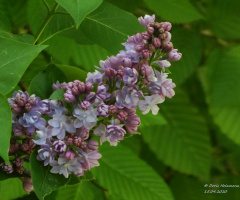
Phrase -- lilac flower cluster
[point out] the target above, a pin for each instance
(104, 105)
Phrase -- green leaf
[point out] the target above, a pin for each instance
(224, 83)
(174, 11)
(184, 143)
(88, 176)
(79, 9)
(15, 58)
(11, 189)
(41, 85)
(66, 51)
(44, 182)
(224, 18)
(85, 191)
(6, 127)
(109, 26)
(73, 73)
(191, 54)
(124, 174)
(57, 95)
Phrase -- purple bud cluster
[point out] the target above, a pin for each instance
(104, 105)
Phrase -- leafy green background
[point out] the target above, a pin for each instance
(193, 141)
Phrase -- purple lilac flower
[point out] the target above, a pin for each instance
(87, 118)
(114, 133)
(94, 77)
(163, 64)
(66, 167)
(59, 146)
(146, 20)
(32, 121)
(99, 131)
(46, 154)
(90, 159)
(101, 93)
(92, 145)
(69, 155)
(57, 107)
(150, 103)
(60, 125)
(128, 97)
(43, 136)
(20, 98)
(103, 110)
(162, 86)
(130, 76)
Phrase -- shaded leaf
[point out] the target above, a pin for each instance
(57, 95)
(183, 143)
(41, 85)
(174, 11)
(6, 127)
(88, 176)
(79, 9)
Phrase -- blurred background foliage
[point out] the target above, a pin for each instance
(193, 141)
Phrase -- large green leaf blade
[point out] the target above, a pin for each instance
(79, 9)
(174, 10)
(44, 182)
(224, 98)
(183, 143)
(15, 58)
(109, 26)
(6, 127)
(124, 174)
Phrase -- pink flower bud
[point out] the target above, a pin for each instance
(145, 70)
(81, 87)
(120, 73)
(169, 36)
(69, 141)
(16, 108)
(127, 62)
(167, 46)
(89, 87)
(146, 35)
(150, 30)
(145, 81)
(156, 42)
(146, 53)
(77, 141)
(139, 48)
(122, 115)
(168, 26)
(92, 145)
(69, 155)
(69, 97)
(28, 107)
(27, 184)
(109, 72)
(174, 55)
(113, 109)
(85, 105)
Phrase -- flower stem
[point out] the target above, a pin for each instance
(45, 23)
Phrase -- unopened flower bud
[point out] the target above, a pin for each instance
(150, 30)
(167, 46)
(69, 155)
(92, 145)
(31, 100)
(136, 66)
(6, 168)
(139, 48)
(59, 146)
(145, 69)
(24, 147)
(85, 105)
(18, 162)
(77, 141)
(16, 108)
(162, 36)
(69, 97)
(20, 169)
(27, 184)
(69, 140)
(83, 145)
(21, 99)
(88, 87)
(157, 25)
(109, 72)
(14, 147)
(156, 42)
(174, 55)
(18, 131)
(146, 35)
(145, 81)
(161, 30)
(113, 109)
(63, 86)
(168, 26)
(28, 107)
(169, 36)
(75, 90)
(81, 87)
(122, 115)
(146, 53)
(120, 73)
(127, 62)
